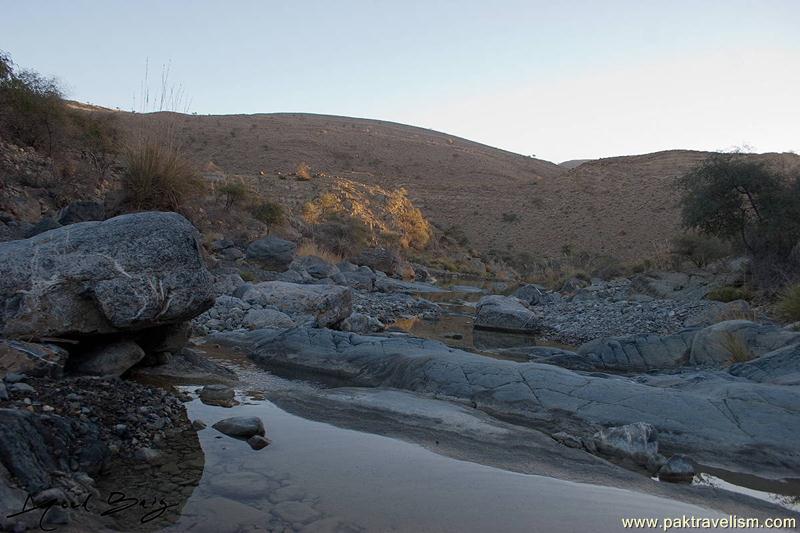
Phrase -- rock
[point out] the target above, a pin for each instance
(531, 294)
(730, 423)
(44, 225)
(672, 285)
(240, 426)
(568, 440)
(34, 447)
(677, 469)
(188, 366)
(112, 359)
(21, 388)
(361, 323)
(387, 284)
(198, 425)
(267, 318)
(272, 253)
(316, 267)
(221, 244)
(217, 394)
(780, 367)
(639, 353)
(551, 356)
(295, 512)
(325, 304)
(14, 377)
(127, 273)
(715, 345)
(231, 254)
(258, 442)
(504, 313)
(37, 360)
(383, 259)
(361, 278)
(81, 212)
(572, 285)
(637, 442)
(148, 455)
(227, 283)
(3, 392)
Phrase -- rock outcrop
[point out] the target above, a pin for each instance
(723, 343)
(325, 305)
(272, 253)
(639, 353)
(730, 423)
(780, 367)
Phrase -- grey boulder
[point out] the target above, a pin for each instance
(272, 253)
(677, 469)
(127, 273)
(637, 442)
(266, 318)
(504, 313)
(37, 360)
(240, 426)
(326, 305)
(780, 367)
(716, 345)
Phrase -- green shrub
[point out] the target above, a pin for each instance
(729, 294)
(789, 303)
(269, 213)
(233, 191)
(699, 249)
(158, 176)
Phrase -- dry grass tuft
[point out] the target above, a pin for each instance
(158, 176)
(308, 248)
(789, 304)
(737, 348)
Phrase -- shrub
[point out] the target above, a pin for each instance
(303, 172)
(99, 140)
(789, 303)
(233, 191)
(268, 212)
(737, 348)
(729, 294)
(699, 249)
(32, 110)
(157, 176)
(342, 234)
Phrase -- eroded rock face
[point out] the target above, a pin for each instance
(781, 367)
(725, 422)
(639, 353)
(325, 304)
(127, 273)
(272, 253)
(715, 345)
(504, 313)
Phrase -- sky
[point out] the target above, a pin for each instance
(558, 80)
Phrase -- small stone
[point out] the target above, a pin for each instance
(217, 394)
(48, 409)
(21, 388)
(147, 455)
(14, 377)
(198, 425)
(121, 430)
(257, 442)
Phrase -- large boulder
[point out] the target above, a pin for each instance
(639, 353)
(240, 426)
(273, 253)
(781, 367)
(533, 294)
(730, 423)
(37, 360)
(326, 305)
(718, 344)
(127, 273)
(316, 267)
(504, 313)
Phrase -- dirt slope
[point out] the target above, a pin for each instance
(621, 206)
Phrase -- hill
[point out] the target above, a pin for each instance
(625, 207)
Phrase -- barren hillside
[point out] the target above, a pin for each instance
(621, 206)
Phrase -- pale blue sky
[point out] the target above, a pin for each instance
(561, 80)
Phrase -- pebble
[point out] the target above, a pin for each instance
(257, 442)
